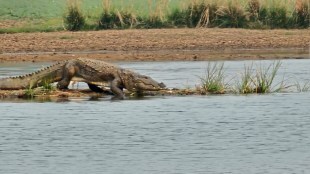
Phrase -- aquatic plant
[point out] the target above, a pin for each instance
(302, 87)
(245, 86)
(213, 80)
(73, 19)
(264, 78)
(260, 80)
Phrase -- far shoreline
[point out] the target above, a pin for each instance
(157, 45)
(152, 56)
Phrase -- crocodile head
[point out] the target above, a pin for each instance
(146, 83)
(138, 82)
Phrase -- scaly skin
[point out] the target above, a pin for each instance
(88, 71)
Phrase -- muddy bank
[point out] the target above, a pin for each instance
(156, 45)
(58, 95)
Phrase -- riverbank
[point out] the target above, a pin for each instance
(156, 45)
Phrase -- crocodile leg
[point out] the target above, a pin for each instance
(68, 73)
(117, 89)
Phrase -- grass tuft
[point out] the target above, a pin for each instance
(261, 80)
(246, 85)
(213, 81)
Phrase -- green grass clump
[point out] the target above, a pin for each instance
(109, 20)
(245, 86)
(74, 19)
(259, 81)
(213, 81)
(277, 17)
(264, 78)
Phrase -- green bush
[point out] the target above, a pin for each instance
(277, 17)
(272, 17)
(74, 19)
(109, 20)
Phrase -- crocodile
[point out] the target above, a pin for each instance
(90, 71)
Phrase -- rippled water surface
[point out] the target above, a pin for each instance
(193, 134)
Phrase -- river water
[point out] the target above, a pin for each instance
(171, 135)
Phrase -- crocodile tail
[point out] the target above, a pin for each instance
(45, 75)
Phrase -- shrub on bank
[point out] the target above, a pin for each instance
(74, 19)
(231, 14)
